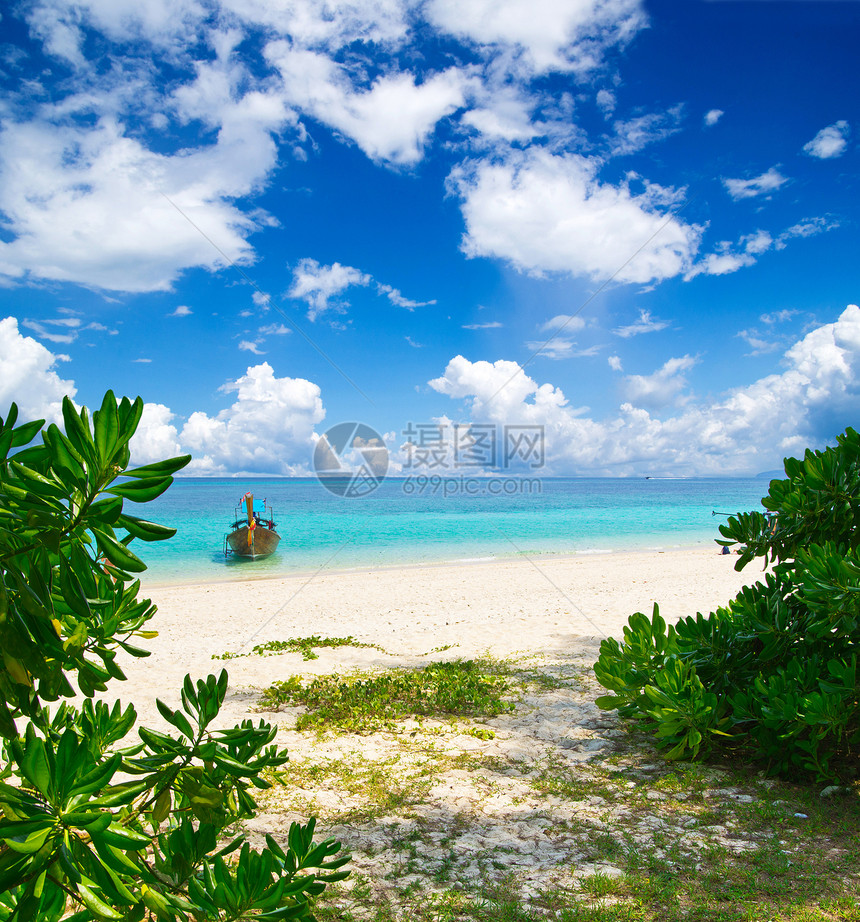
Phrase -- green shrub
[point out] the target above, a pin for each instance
(91, 825)
(774, 673)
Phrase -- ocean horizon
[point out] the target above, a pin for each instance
(425, 520)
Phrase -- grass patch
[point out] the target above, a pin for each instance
(362, 702)
(303, 645)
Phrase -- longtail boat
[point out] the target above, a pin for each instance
(253, 532)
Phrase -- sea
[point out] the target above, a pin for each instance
(413, 521)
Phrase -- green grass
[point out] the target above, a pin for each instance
(303, 645)
(363, 702)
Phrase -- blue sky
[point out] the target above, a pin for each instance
(630, 222)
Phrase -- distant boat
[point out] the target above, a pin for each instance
(253, 532)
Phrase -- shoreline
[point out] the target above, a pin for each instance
(157, 583)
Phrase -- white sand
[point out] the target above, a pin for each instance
(536, 605)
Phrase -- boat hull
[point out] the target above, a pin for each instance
(264, 542)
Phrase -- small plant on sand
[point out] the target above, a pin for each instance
(94, 827)
(775, 671)
(366, 702)
(303, 645)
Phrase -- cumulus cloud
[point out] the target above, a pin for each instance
(830, 142)
(662, 387)
(390, 121)
(745, 430)
(28, 376)
(560, 35)
(182, 311)
(545, 212)
(156, 437)
(713, 116)
(269, 429)
(766, 184)
(318, 285)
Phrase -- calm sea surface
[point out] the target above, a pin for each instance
(413, 522)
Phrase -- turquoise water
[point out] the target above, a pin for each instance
(407, 522)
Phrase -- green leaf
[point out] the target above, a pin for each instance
(160, 468)
(146, 531)
(117, 553)
(106, 425)
(141, 491)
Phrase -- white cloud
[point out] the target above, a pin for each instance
(765, 184)
(635, 133)
(560, 35)
(830, 142)
(544, 212)
(489, 325)
(661, 388)
(390, 121)
(275, 329)
(247, 345)
(606, 102)
(745, 430)
(615, 363)
(182, 311)
(569, 322)
(156, 438)
(317, 285)
(778, 316)
(28, 376)
(322, 24)
(269, 429)
(86, 206)
(645, 324)
(713, 116)
(808, 228)
(559, 347)
(396, 298)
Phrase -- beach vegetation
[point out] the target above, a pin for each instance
(363, 702)
(304, 645)
(773, 675)
(95, 825)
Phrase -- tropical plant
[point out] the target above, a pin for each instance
(94, 825)
(775, 671)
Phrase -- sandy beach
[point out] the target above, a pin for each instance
(551, 606)
(545, 801)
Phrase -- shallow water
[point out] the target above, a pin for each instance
(407, 522)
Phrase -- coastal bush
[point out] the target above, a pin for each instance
(93, 826)
(773, 673)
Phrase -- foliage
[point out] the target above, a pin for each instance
(92, 827)
(303, 645)
(361, 702)
(775, 671)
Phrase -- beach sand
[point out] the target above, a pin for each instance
(552, 606)
(427, 805)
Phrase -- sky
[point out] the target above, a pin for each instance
(630, 225)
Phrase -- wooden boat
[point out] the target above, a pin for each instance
(253, 532)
